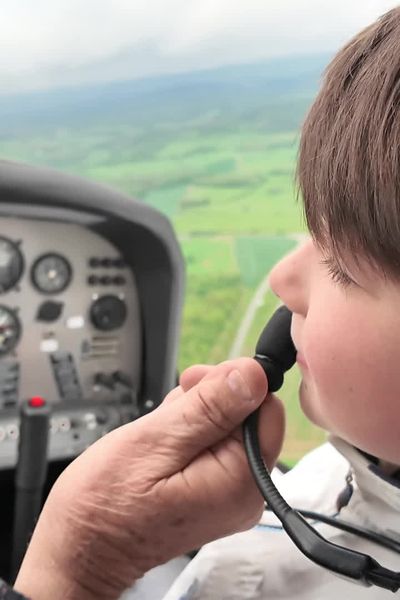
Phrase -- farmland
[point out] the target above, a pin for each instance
(221, 171)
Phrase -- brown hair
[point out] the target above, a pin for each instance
(348, 169)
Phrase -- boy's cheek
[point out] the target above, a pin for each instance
(339, 386)
(334, 365)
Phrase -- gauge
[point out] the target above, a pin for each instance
(51, 273)
(11, 264)
(10, 330)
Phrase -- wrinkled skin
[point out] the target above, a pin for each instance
(154, 488)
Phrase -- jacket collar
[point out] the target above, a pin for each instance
(376, 497)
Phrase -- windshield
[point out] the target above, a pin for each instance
(193, 108)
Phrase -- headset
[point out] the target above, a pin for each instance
(276, 354)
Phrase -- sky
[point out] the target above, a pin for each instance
(52, 43)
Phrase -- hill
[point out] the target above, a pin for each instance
(235, 91)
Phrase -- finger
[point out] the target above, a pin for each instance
(211, 409)
(192, 375)
(173, 394)
(271, 429)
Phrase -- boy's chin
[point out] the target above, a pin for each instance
(309, 404)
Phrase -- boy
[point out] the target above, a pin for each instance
(343, 287)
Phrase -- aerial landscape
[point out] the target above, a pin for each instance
(214, 151)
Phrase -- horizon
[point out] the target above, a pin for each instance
(175, 75)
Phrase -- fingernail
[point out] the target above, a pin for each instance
(238, 384)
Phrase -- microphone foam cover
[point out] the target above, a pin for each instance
(275, 342)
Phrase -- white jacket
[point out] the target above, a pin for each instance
(263, 563)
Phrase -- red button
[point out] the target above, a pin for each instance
(36, 402)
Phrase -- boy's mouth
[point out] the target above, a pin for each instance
(301, 361)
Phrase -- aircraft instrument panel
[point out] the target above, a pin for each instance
(69, 332)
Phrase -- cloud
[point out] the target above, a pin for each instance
(59, 42)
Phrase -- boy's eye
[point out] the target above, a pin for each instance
(337, 275)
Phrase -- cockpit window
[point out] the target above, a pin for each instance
(193, 108)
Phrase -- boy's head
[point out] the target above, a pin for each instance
(349, 158)
(343, 286)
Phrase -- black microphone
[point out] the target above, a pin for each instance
(275, 350)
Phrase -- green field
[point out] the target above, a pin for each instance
(226, 183)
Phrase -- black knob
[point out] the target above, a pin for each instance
(49, 311)
(108, 313)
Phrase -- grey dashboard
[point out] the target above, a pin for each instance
(91, 292)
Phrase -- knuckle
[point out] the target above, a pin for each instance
(209, 399)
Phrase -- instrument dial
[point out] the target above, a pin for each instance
(51, 273)
(11, 264)
(10, 330)
(108, 313)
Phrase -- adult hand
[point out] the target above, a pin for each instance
(155, 488)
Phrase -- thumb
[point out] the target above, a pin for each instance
(212, 409)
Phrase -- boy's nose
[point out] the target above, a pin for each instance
(289, 279)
